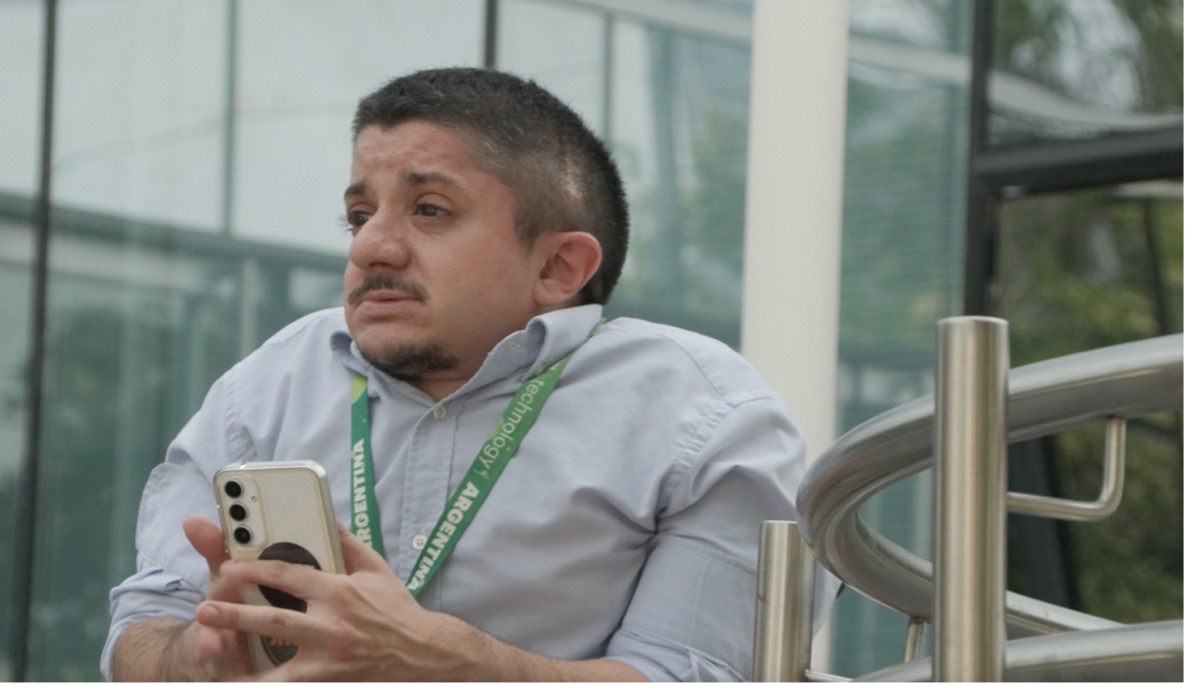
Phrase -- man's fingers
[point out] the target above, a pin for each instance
(223, 651)
(207, 539)
(212, 644)
(302, 581)
(358, 556)
(269, 621)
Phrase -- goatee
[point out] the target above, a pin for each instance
(410, 362)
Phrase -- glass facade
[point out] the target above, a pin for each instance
(1082, 270)
(907, 101)
(199, 153)
(21, 43)
(1075, 70)
(1082, 153)
(669, 94)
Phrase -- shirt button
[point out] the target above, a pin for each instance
(419, 541)
(439, 412)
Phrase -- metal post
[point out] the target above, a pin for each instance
(784, 604)
(915, 633)
(969, 478)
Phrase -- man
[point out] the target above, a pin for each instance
(488, 227)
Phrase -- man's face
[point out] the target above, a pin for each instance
(437, 275)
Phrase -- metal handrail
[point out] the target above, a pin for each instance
(1145, 652)
(1125, 381)
(1114, 469)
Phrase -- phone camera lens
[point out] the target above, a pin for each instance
(237, 512)
(243, 535)
(233, 489)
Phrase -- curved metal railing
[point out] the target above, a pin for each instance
(1125, 381)
(1108, 385)
(1146, 652)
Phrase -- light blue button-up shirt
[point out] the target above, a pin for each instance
(626, 525)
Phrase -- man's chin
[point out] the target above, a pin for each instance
(408, 361)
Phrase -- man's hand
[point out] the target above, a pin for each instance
(220, 654)
(365, 625)
(359, 625)
(164, 649)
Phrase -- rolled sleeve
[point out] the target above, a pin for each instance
(684, 622)
(171, 578)
(150, 593)
(692, 614)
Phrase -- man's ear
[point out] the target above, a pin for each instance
(571, 259)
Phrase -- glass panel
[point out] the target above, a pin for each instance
(139, 128)
(16, 251)
(1092, 268)
(109, 409)
(137, 138)
(903, 215)
(130, 354)
(21, 46)
(1070, 70)
(302, 67)
(1081, 271)
(668, 87)
(152, 294)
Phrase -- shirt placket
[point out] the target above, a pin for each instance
(427, 481)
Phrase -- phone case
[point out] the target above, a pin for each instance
(277, 511)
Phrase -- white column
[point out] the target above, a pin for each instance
(792, 255)
(792, 252)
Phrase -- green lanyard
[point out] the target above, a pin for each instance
(497, 450)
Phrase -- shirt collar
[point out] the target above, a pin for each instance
(548, 337)
(542, 342)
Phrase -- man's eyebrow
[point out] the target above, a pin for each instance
(429, 177)
(414, 178)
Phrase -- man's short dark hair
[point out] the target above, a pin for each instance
(561, 173)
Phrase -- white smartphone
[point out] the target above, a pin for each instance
(277, 511)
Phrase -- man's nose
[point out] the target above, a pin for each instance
(381, 242)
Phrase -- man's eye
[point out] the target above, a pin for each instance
(356, 218)
(430, 210)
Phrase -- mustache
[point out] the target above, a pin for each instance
(388, 282)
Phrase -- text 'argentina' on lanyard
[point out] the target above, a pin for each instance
(472, 491)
